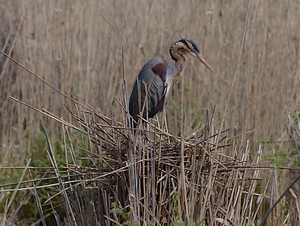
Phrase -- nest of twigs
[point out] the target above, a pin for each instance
(151, 177)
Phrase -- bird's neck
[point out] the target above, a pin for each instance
(179, 68)
(179, 60)
(173, 73)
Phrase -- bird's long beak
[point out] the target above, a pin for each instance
(204, 62)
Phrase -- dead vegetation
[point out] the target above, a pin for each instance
(149, 178)
(93, 171)
(110, 176)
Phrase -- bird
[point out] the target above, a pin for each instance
(153, 83)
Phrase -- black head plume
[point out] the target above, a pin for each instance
(189, 44)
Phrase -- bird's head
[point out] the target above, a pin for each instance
(185, 46)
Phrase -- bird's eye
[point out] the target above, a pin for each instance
(182, 50)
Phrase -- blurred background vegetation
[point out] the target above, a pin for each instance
(87, 49)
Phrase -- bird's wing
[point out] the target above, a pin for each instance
(151, 84)
(153, 75)
(158, 88)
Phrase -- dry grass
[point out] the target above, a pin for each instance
(148, 178)
(253, 47)
(92, 51)
(112, 177)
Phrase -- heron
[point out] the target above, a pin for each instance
(155, 79)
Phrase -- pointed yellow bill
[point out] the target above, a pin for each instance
(204, 62)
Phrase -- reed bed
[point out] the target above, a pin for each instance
(111, 176)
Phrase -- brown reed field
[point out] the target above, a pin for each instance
(230, 151)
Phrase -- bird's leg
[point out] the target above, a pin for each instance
(146, 131)
(164, 121)
(158, 121)
(143, 128)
